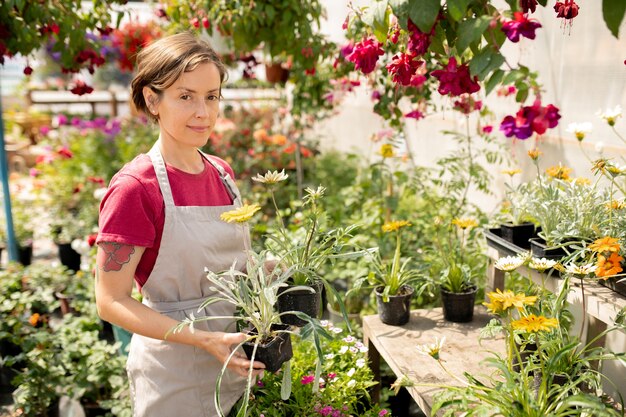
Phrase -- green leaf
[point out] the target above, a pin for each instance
(436, 43)
(376, 18)
(486, 61)
(457, 8)
(470, 31)
(512, 76)
(494, 80)
(543, 2)
(613, 12)
(424, 13)
(400, 9)
(285, 387)
(522, 95)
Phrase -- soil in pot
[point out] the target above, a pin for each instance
(459, 307)
(272, 353)
(304, 301)
(518, 234)
(396, 311)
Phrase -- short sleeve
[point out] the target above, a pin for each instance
(129, 212)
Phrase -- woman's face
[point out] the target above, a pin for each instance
(188, 109)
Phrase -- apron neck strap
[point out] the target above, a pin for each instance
(161, 174)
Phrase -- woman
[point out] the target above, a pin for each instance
(160, 226)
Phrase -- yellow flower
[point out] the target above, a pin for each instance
(241, 214)
(512, 172)
(395, 225)
(534, 154)
(615, 205)
(465, 223)
(502, 301)
(386, 151)
(605, 244)
(582, 181)
(271, 177)
(533, 324)
(559, 172)
(432, 349)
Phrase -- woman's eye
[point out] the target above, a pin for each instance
(185, 97)
(212, 98)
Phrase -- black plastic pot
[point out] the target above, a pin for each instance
(274, 352)
(459, 307)
(539, 249)
(525, 353)
(94, 410)
(396, 311)
(25, 254)
(303, 301)
(69, 257)
(518, 234)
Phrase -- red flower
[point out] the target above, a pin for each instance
(28, 70)
(418, 41)
(521, 25)
(365, 55)
(528, 5)
(567, 9)
(529, 119)
(91, 239)
(65, 152)
(403, 67)
(81, 88)
(456, 81)
(415, 114)
(466, 104)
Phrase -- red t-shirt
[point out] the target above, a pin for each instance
(133, 211)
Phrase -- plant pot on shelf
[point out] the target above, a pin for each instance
(614, 284)
(539, 249)
(303, 301)
(459, 307)
(94, 410)
(69, 257)
(396, 311)
(525, 352)
(518, 234)
(25, 254)
(275, 73)
(272, 353)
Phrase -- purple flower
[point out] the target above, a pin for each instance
(521, 25)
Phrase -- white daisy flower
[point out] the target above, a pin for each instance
(509, 263)
(574, 269)
(432, 349)
(271, 177)
(611, 115)
(541, 264)
(580, 129)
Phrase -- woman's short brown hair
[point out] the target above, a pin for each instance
(161, 63)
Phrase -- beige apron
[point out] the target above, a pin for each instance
(172, 379)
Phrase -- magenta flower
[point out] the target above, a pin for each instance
(567, 9)
(529, 120)
(467, 104)
(455, 80)
(487, 129)
(365, 55)
(382, 413)
(403, 67)
(521, 25)
(418, 41)
(375, 95)
(307, 379)
(415, 114)
(331, 375)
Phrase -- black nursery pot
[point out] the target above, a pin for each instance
(518, 234)
(25, 254)
(614, 284)
(273, 353)
(459, 307)
(397, 311)
(69, 257)
(539, 249)
(300, 300)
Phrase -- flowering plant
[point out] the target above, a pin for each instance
(344, 380)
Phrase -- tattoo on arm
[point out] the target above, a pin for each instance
(114, 256)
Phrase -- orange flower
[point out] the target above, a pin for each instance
(260, 135)
(559, 172)
(34, 319)
(279, 140)
(534, 154)
(605, 244)
(608, 267)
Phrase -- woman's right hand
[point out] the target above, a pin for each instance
(220, 345)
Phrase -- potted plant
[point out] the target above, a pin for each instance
(518, 227)
(304, 250)
(392, 280)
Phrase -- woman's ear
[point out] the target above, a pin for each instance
(151, 100)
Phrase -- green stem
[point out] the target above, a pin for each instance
(618, 135)
(395, 265)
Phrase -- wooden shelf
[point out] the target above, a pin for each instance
(462, 350)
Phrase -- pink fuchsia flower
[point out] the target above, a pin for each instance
(403, 67)
(415, 114)
(418, 41)
(307, 379)
(466, 104)
(520, 26)
(455, 80)
(529, 119)
(528, 5)
(567, 9)
(365, 55)
(487, 129)
(376, 95)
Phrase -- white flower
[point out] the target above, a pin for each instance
(325, 323)
(509, 263)
(329, 356)
(343, 349)
(433, 349)
(81, 246)
(612, 115)
(99, 193)
(580, 129)
(363, 349)
(541, 264)
(353, 349)
(351, 372)
(360, 363)
(572, 268)
(271, 177)
(599, 147)
(349, 339)
(351, 383)
(337, 330)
